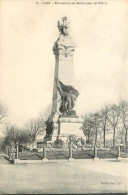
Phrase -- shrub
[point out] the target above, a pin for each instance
(59, 143)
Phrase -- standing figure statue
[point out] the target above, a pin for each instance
(64, 28)
(66, 101)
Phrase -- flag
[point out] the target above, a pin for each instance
(68, 89)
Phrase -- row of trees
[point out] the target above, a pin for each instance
(109, 120)
(30, 131)
(3, 114)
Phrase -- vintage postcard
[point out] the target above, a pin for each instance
(63, 97)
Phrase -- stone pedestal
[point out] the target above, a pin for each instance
(64, 68)
(70, 153)
(95, 158)
(44, 160)
(119, 158)
(71, 159)
(95, 154)
(17, 161)
(63, 120)
(118, 153)
(65, 127)
(44, 155)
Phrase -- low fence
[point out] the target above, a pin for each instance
(69, 153)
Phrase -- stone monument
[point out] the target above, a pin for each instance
(63, 120)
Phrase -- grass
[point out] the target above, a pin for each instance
(76, 154)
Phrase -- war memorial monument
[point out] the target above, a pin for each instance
(63, 120)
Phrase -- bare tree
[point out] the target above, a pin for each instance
(91, 126)
(113, 119)
(96, 125)
(11, 134)
(23, 136)
(36, 127)
(120, 135)
(123, 105)
(88, 127)
(44, 116)
(3, 112)
(104, 121)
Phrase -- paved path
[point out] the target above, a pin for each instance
(111, 167)
(63, 177)
(3, 160)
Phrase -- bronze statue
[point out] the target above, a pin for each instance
(68, 97)
(66, 101)
(63, 28)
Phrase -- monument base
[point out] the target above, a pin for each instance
(65, 127)
(95, 158)
(17, 161)
(119, 158)
(71, 159)
(44, 160)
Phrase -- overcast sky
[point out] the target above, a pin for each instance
(28, 32)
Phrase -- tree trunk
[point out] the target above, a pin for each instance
(96, 139)
(114, 139)
(104, 138)
(30, 146)
(121, 139)
(126, 138)
(27, 144)
(100, 139)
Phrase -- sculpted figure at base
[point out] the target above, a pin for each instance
(68, 97)
(66, 103)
